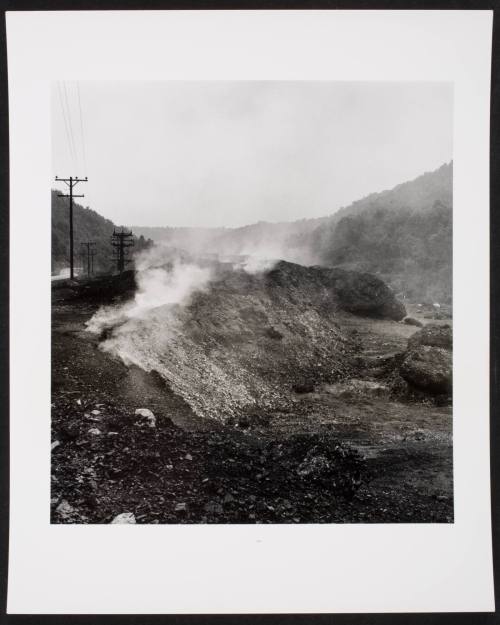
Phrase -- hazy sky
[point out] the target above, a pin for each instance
(232, 153)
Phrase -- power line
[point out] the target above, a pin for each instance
(70, 146)
(70, 123)
(81, 128)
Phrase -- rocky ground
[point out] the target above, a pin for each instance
(343, 450)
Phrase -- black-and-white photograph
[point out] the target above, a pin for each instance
(251, 302)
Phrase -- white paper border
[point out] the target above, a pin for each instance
(228, 569)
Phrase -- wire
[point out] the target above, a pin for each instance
(70, 124)
(81, 129)
(70, 146)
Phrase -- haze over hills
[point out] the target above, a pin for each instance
(403, 234)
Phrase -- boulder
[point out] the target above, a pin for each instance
(433, 335)
(146, 416)
(428, 368)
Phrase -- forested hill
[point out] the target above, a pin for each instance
(404, 235)
(87, 226)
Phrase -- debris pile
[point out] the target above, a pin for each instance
(245, 340)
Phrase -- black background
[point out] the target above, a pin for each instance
(260, 619)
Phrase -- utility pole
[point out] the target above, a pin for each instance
(121, 241)
(71, 182)
(89, 252)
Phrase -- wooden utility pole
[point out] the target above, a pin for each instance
(71, 182)
(89, 252)
(120, 241)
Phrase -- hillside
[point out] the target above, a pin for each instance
(88, 225)
(403, 234)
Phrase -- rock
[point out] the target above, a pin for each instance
(94, 419)
(428, 368)
(411, 321)
(95, 412)
(69, 432)
(313, 466)
(213, 507)
(124, 518)
(54, 445)
(66, 511)
(433, 335)
(272, 333)
(243, 422)
(188, 457)
(146, 416)
(94, 431)
(304, 387)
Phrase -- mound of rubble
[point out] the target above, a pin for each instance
(246, 341)
(359, 293)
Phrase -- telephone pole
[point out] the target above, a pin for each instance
(90, 253)
(71, 182)
(121, 241)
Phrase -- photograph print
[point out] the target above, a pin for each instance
(251, 302)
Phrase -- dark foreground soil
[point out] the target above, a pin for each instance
(387, 460)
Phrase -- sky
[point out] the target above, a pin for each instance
(233, 153)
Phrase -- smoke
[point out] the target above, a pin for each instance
(172, 270)
(291, 241)
(164, 277)
(256, 264)
(158, 287)
(159, 328)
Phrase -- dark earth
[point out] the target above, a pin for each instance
(354, 451)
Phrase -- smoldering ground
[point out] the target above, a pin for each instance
(268, 404)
